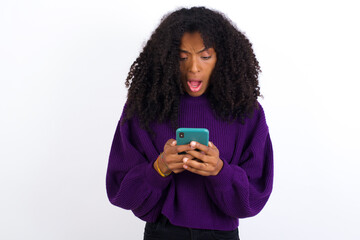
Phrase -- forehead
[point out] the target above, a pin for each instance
(191, 40)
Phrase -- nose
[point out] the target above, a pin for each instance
(194, 65)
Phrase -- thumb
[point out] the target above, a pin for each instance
(211, 145)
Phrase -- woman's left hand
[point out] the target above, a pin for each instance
(209, 165)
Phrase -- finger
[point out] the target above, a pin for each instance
(170, 159)
(180, 170)
(177, 161)
(174, 166)
(201, 166)
(197, 171)
(201, 147)
(181, 157)
(170, 143)
(198, 155)
(212, 145)
(178, 149)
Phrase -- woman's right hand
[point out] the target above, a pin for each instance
(171, 161)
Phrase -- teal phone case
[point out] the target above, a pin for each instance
(186, 135)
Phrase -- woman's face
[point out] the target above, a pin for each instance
(196, 64)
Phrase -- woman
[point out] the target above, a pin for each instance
(196, 71)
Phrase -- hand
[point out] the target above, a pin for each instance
(209, 165)
(171, 161)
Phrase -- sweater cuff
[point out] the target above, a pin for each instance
(154, 179)
(223, 179)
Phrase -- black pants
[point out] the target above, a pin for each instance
(162, 229)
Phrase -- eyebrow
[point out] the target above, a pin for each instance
(181, 50)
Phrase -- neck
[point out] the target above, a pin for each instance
(188, 98)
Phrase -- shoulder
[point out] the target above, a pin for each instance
(256, 123)
(258, 114)
(259, 111)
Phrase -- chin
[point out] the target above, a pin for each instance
(195, 94)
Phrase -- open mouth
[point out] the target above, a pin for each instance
(194, 85)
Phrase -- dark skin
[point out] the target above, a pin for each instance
(197, 62)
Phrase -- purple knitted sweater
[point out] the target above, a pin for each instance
(240, 190)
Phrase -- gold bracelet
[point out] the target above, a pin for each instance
(159, 171)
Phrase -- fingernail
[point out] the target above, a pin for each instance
(185, 166)
(173, 143)
(185, 160)
(193, 144)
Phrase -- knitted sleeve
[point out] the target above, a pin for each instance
(241, 190)
(131, 181)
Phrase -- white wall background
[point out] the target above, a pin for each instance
(62, 69)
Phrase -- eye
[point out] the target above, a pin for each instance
(206, 57)
(183, 56)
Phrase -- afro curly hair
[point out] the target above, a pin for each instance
(154, 81)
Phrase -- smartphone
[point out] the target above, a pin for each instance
(186, 135)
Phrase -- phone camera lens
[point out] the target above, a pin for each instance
(181, 135)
